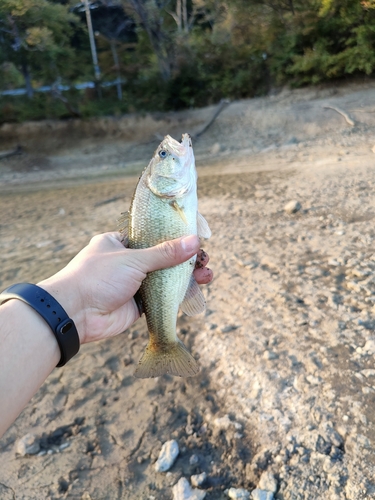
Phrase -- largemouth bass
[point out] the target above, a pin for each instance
(165, 206)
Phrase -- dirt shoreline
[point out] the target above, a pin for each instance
(288, 341)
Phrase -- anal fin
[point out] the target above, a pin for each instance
(194, 301)
(204, 230)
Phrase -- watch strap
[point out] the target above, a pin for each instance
(53, 314)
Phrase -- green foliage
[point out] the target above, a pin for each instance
(327, 40)
(178, 53)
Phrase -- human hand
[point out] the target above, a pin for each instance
(97, 287)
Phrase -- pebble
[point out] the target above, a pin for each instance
(167, 456)
(64, 446)
(238, 493)
(183, 491)
(269, 355)
(268, 482)
(198, 479)
(28, 445)
(292, 207)
(194, 460)
(259, 494)
(215, 148)
(225, 422)
(228, 328)
(370, 346)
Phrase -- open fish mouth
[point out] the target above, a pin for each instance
(181, 149)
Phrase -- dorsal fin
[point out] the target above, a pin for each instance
(123, 225)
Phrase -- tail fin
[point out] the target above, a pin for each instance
(173, 358)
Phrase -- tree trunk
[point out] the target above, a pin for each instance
(156, 36)
(185, 16)
(117, 64)
(27, 77)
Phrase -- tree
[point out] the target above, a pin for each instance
(151, 15)
(34, 36)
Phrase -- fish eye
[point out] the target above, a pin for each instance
(162, 153)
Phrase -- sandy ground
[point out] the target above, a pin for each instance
(287, 344)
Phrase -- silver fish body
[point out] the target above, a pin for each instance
(164, 207)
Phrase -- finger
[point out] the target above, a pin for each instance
(202, 259)
(203, 275)
(106, 241)
(167, 254)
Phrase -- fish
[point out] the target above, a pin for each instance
(164, 206)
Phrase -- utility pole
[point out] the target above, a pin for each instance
(92, 44)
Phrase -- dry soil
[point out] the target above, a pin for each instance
(287, 343)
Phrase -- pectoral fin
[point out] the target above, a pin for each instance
(179, 210)
(203, 229)
(194, 301)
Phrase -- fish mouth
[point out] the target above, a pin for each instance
(183, 149)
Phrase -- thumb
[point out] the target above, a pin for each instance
(168, 254)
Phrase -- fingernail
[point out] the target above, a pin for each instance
(190, 243)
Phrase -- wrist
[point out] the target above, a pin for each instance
(69, 298)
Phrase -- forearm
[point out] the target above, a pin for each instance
(29, 352)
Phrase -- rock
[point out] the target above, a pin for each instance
(238, 493)
(268, 482)
(369, 347)
(332, 435)
(183, 491)
(259, 494)
(215, 148)
(292, 207)
(28, 445)
(322, 446)
(167, 456)
(194, 460)
(198, 479)
(223, 422)
(269, 355)
(228, 328)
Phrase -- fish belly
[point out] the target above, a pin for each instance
(153, 221)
